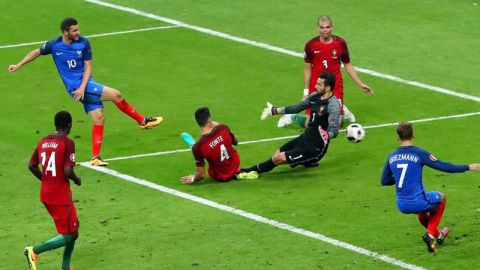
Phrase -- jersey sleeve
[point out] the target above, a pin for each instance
(69, 159)
(387, 176)
(87, 52)
(307, 54)
(333, 117)
(197, 155)
(34, 161)
(345, 57)
(434, 163)
(47, 47)
(296, 108)
(232, 136)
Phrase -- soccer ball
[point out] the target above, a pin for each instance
(355, 133)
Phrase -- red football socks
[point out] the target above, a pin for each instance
(125, 107)
(423, 218)
(97, 139)
(435, 218)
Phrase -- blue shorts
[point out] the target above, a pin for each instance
(428, 203)
(91, 100)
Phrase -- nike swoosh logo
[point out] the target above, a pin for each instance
(59, 53)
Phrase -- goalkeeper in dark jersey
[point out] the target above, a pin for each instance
(312, 145)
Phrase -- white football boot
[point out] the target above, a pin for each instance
(285, 120)
(348, 115)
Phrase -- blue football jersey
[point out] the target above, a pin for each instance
(69, 59)
(403, 169)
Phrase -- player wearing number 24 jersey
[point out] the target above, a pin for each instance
(56, 154)
(403, 169)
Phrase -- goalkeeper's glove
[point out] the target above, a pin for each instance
(323, 134)
(268, 111)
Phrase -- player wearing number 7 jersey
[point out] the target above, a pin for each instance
(216, 146)
(403, 168)
(73, 57)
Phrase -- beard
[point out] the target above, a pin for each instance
(72, 37)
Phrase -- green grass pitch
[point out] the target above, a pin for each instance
(172, 71)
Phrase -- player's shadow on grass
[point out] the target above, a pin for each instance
(286, 173)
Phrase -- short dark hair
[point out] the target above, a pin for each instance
(405, 131)
(328, 79)
(67, 23)
(202, 115)
(324, 18)
(63, 119)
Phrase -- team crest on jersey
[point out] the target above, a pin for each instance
(433, 158)
(79, 53)
(72, 157)
(334, 54)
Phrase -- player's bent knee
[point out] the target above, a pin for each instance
(279, 158)
(99, 120)
(111, 94)
(117, 95)
(75, 235)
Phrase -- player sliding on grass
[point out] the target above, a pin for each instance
(403, 168)
(312, 145)
(216, 146)
(56, 154)
(73, 57)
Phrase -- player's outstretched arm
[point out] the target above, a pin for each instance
(71, 175)
(28, 58)
(189, 179)
(474, 167)
(353, 74)
(267, 112)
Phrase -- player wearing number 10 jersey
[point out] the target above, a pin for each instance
(73, 58)
(56, 154)
(403, 168)
(216, 146)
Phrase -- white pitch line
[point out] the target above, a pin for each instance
(293, 136)
(93, 36)
(278, 49)
(256, 217)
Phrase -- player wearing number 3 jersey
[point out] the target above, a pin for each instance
(216, 146)
(403, 168)
(72, 56)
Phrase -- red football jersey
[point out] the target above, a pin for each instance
(326, 57)
(54, 153)
(217, 148)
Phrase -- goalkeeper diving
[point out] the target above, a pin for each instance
(309, 148)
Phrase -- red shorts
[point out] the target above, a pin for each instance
(64, 216)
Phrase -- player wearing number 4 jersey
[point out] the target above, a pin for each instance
(403, 168)
(73, 57)
(56, 154)
(216, 146)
